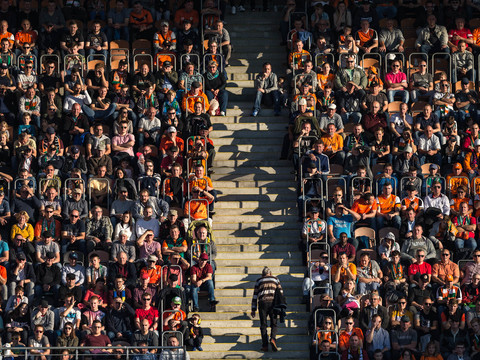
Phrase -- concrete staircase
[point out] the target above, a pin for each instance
(255, 222)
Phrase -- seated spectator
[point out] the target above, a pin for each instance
(141, 22)
(405, 338)
(202, 278)
(349, 331)
(429, 147)
(118, 18)
(216, 93)
(366, 38)
(341, 272)
(391, 39)
(369, 275)
(438, 43)
(372, 121)
(466, 225)
(466, 103)
(443, 99)
(388, 211)
(458, 34)
(375, 95)
(463, 63)
(396, 82)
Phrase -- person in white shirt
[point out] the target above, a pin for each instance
(429, 147)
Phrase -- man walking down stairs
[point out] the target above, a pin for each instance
(255, 223)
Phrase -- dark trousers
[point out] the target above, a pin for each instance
(265, 309)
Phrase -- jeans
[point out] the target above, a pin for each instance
(222, 99)
(208, 285)
(272, 96)
(28, 287)
(374, 159)
(395, 222)
(391, 94)
(101, 52)
(427, 49)
(436, 159)
(470, 75)
(118, 34)
(469, 243)
(79, 245)
(415, 94)
(386, 12)
(98, 114)
(265, 310)
(354, 117)
(362, 288)
(39, 292)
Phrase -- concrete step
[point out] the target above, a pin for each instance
(269, 206)
(238, 248)
(250, 218)
(250, 126)
(246, 307)
(254, 169)
(248, 292)
(247, 355)
(235, 164)
(242, 212)
(241, 84)
(249, 234)
(242, 278)
(247, 331)
(252, 338)
(247, 256)
(232, 141)
(247, 119)
(250, 285)
(250, 148)
(258, 262)
(236, 346)
(249, 184)
(250, 133)
(248, 323)
(245, 155)
(257, 270)
(291, 191)
(245, 315)
(252, 177)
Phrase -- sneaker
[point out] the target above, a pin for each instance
(241, 8)
(273, 344)
(222, 113)
(234, 10)
(196, 309)
(200, 348)
(194, 349)
(264, 348)
(255, 113)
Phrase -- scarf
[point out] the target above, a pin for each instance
(211, 76)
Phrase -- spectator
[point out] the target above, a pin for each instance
(396, 82)
(432, 44)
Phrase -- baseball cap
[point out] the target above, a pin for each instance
(203, 256)
(465, 81)
(177, 300)
(50, 130)
(77, 191)
(434, 166)
(457, 166)
(44, 304)
(152, 258)
(167, 63)
(173, 212)
(405, 318)
(74, 150)
(315, 210)
(390, 235)
(21, 256)
(408, 149)
(145, 276)
(302, 102)
(332, 106)
(122, 188)
(171, 129)
(73, 255)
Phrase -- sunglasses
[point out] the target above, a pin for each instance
(74, 216)
(422, 256)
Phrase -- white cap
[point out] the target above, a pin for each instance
(302, 101)
(332, 106)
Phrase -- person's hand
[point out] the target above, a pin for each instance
(401, 48)
(253, 314)
(261, 90)
(383, 48)
(119, 335)
(46, 287)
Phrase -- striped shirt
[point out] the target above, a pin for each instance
(265, 290)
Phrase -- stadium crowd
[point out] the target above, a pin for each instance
(384, 138)
(106, 203)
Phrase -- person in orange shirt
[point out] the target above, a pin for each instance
(141, 22)
(366, 207)
(366, 38)
(195, 94)
(462, 197)
(188, 12)
(169, 140)
(411, 201)
(177, 314)
(164, 41)
(341, 272)
(454, 183)
(298, 57)
(344, 337)
(153, 270)
(26, 36)
(471, 162)
(4, 34)
(333, 145)
(388, 210)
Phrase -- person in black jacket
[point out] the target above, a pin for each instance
(48, 277)
(215, 84)
(21, 273)
(374, 308)
(119, 321)
(122, 267)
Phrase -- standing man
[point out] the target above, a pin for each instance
(263, 295)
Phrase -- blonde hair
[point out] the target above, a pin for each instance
(20, 214)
